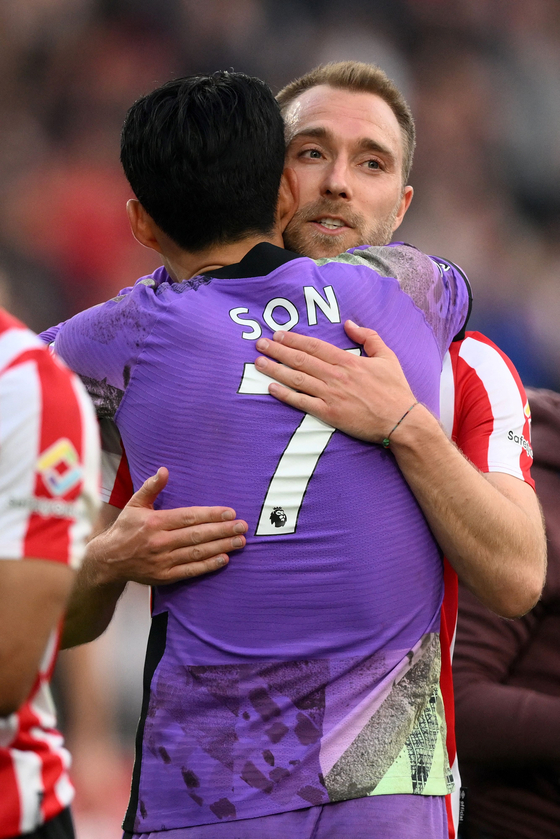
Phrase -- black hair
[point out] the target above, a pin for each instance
(204, 156)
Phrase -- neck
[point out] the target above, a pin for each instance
(182, 265)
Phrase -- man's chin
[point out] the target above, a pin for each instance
(318, 245)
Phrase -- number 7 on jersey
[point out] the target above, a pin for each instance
(288, 484)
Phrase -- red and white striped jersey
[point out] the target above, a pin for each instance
(484, 409)
(49, 494)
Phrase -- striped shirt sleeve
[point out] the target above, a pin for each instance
(49, 454)
(484, 407)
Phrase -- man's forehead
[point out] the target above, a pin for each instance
(360, 115)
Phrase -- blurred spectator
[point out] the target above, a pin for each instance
(507, 683)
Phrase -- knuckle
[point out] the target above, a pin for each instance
(196, 536)
(155, 543)
(196, 554)
(299, 359)
(298, 379)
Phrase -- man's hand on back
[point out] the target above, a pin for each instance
(157, 547)
(364, 397)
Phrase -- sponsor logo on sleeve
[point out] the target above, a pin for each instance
(522, 441)
(47, 507)
(60, 467)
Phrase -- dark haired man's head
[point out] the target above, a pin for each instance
(204, 156)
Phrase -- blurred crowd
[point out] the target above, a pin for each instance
(483, 80)
(482, 76)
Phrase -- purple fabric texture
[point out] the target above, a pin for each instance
(299, 673)
(376, 817)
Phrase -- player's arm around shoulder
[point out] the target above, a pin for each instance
(147, 546)
(483, 511)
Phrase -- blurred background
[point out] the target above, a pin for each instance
(483, 80)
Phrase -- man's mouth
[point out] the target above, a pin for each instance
(330, 223)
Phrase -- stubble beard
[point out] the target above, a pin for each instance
(306, 239)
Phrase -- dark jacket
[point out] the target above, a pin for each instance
(507, 682)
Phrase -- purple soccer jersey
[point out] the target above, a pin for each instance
(307, 670)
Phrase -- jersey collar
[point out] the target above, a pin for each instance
(261, 260)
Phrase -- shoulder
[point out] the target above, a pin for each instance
(477, 360)
(482, 392)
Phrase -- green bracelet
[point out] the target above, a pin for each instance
(386, 442)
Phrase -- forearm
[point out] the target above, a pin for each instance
(93, 600)
(496, 547)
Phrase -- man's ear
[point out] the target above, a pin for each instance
(288, 198)
(406, 198)
(142, 225)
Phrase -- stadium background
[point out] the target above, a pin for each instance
(483, 80)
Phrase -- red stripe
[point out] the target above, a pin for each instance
(52, 766)
(10, 811)
(122, 490)
(475, 425)
(450, 825)
(525, 462)
(448, 623)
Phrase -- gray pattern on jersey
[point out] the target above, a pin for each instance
(418, 275)
(104, 396)
(392, 726)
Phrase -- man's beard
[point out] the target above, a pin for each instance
(304, 238)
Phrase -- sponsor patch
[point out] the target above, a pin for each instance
(60, 467)
(521, 441)
(47, 507)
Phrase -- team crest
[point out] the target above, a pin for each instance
(60, 467)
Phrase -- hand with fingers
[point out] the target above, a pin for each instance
(364, 396)
(156, 547)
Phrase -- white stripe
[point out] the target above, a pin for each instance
(64, 790)
(20, 426)
(447, 396)
(54, 741)
(50, 653)
(42, 705)
(15, 341)
(110, 463)
(505, 402)
(27, 767)
(90, 500)
(9, 729)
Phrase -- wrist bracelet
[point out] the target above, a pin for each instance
(386, 442)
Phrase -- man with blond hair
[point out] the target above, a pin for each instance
(353, 175)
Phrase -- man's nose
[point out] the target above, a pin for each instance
(336, 183)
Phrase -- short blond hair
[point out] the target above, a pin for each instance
(359, 77)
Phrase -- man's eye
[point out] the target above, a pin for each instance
(314, 154)
(373, 164)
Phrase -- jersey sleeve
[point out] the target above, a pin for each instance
(484, 407)
(49, 460)
(102, 344)
(438, 287)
